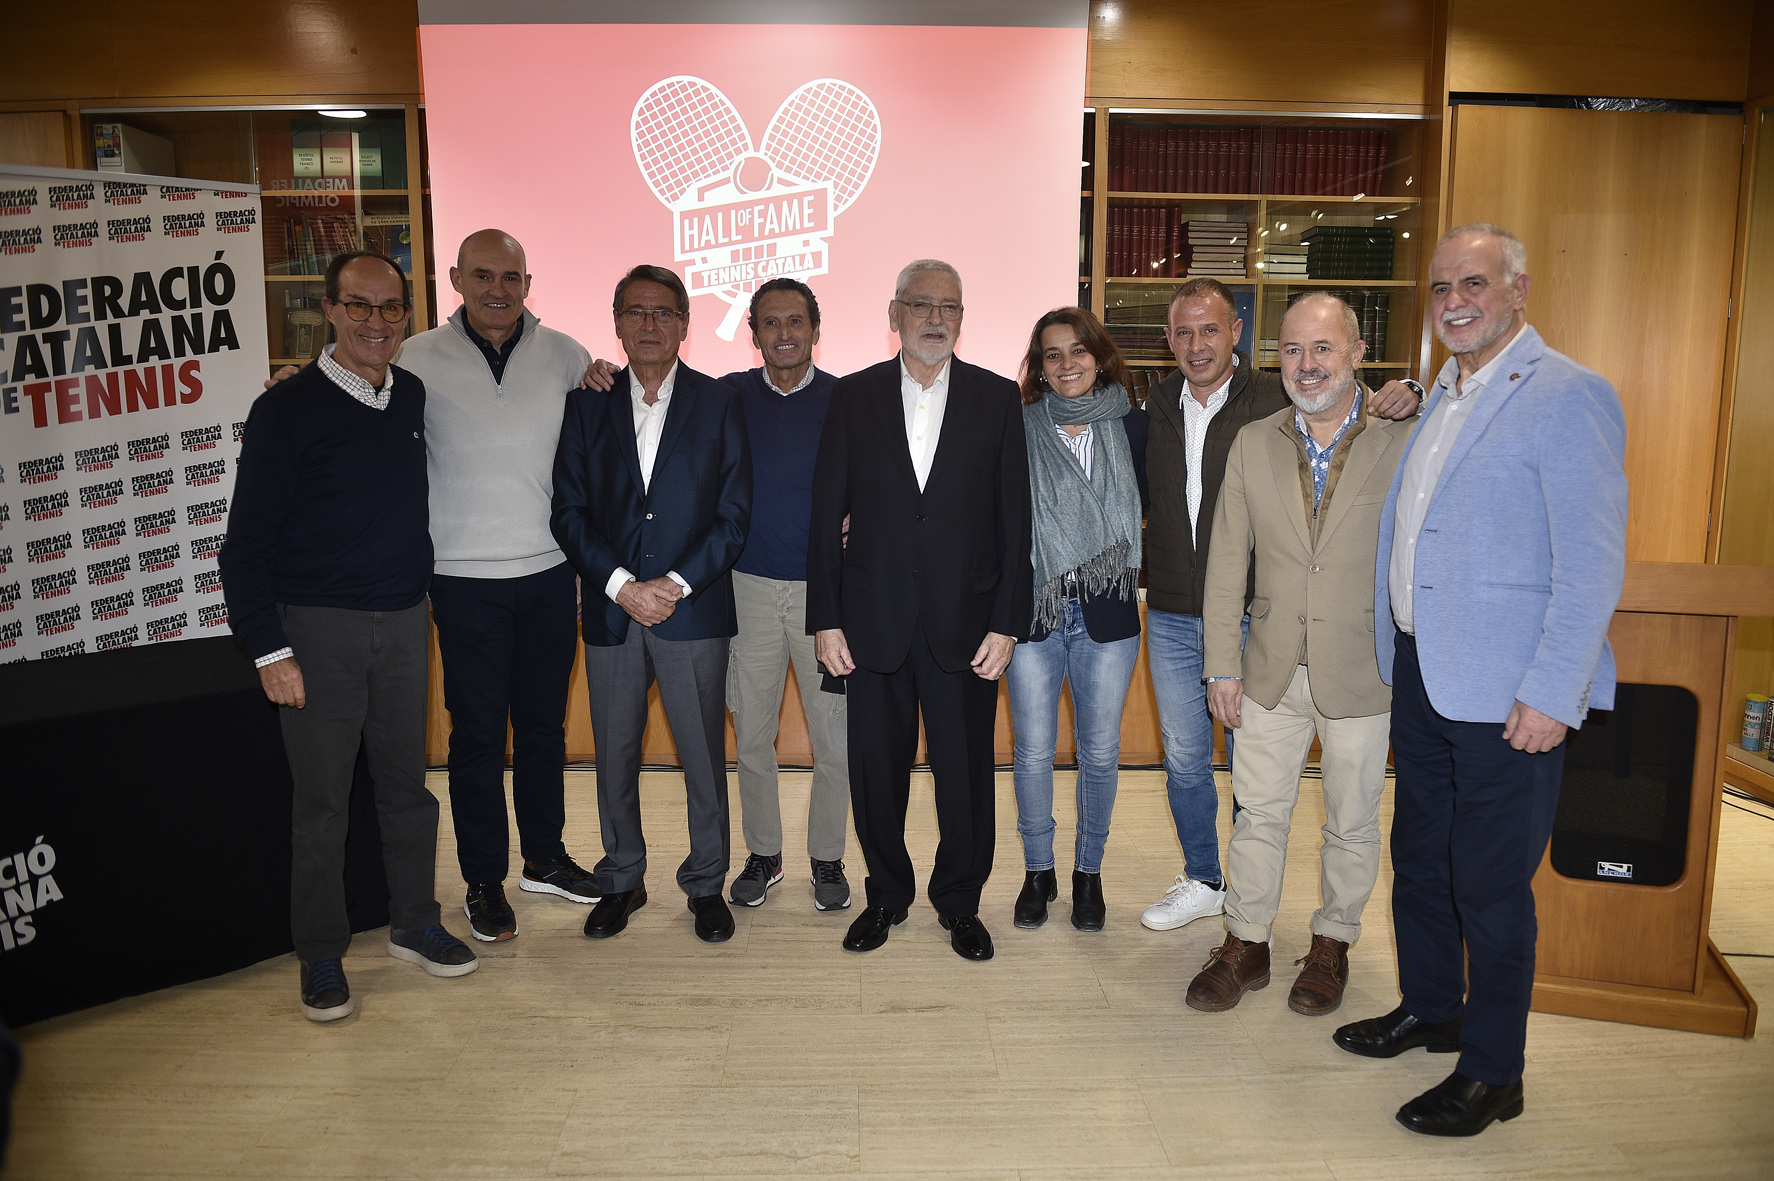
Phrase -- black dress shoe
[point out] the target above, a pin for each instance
(714, 922)
(968, 936)
(611, 913)
(870, 929)
(1088, 910)
(1460, 1106)
(1039, 888)
(1396, 1032)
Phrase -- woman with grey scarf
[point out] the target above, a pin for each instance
(1087, 477)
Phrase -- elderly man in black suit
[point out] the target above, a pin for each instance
(924, 455)
(652, 499)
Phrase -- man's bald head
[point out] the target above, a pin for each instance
(497, 240)
(490, 274)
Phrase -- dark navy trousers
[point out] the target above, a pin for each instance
(507, 646)
(1470, 823)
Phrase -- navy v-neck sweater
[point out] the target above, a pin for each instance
(329, 506)
(784, 434)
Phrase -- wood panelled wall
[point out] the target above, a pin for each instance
(1604, 48)
(1346, 53)
(92, 50)
(1629, 221)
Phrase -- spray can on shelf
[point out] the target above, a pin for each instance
(1755, 721)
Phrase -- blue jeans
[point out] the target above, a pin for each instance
(1174, 651)
(1099, 676)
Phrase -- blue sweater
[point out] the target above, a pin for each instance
(784, 434)
(329, 506)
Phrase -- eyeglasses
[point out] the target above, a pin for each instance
(920, 309)
(635, 317)
(358, 310)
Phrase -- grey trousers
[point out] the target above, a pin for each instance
(364, 676)
(691, 676)
(772, 632)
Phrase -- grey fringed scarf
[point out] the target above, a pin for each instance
(1088, 528)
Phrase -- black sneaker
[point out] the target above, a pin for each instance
(434, 949)
(755, 880)
(560, 876)
(325, 995)
(831, 889)
(490, 919)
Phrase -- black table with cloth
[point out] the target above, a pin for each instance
(149, 786)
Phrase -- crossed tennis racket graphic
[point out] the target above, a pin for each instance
(743, 216)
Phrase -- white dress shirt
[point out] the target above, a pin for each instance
(649, 424)
(1423, 465)
(1196, 418)
(923, 416)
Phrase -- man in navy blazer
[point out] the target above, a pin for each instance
(1502, 552)
(652, 499)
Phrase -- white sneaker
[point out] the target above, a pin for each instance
(1183, 903)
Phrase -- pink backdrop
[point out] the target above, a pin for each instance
(529, 131)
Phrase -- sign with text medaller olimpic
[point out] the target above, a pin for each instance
(132, 342)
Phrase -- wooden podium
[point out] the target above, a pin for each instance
(1642, 954)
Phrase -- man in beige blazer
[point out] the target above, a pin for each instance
(1301, 503)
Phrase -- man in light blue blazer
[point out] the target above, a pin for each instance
(1501, 554)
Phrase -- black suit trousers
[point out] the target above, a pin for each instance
(960, 711)
(1471, 819)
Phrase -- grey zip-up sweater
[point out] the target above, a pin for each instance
(490, 446)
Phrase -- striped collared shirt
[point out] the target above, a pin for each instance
(1080, 446)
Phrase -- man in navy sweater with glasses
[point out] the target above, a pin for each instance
(325, 568)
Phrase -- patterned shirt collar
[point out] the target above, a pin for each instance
(1320, 457)
(806, 380)
(376, 398)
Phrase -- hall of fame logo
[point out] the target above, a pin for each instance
(741, 217)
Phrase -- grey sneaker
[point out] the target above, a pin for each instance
(755, 880)
(434, 949)
(831, 890)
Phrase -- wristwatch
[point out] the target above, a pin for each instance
(1416, 389)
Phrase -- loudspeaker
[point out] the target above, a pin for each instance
(1628, 780)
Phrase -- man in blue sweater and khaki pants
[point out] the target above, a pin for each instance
(325, 568)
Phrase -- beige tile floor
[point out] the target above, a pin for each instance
(777, 1054)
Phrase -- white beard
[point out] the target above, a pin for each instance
(1334, 392)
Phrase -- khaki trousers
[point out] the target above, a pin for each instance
(1272, 749)
(772, 631)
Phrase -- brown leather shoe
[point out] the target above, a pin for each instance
(1232, 969)
(1319, 989)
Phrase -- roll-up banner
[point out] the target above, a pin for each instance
(830, 141)
(132, 342)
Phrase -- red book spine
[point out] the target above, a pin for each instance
(1170, 160)
(1380, 150)
(1290, 153)
(1148, 165)
(1117, 153)
(1352, 163)
(1246, 183)
(1192, 161)
(1175, 252)
(1222, 163)
(1314, 163)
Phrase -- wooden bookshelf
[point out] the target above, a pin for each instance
(1134, 305)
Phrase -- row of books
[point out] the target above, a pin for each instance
(1162, 243)
(305, 244)
(1329, 162)
(1348, 252)
(1373, 307)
